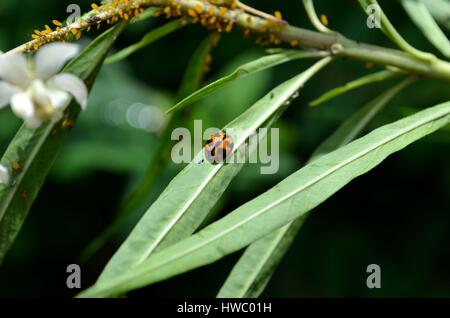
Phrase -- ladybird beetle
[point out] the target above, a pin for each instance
(219, 147)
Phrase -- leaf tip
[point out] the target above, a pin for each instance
(313, 103)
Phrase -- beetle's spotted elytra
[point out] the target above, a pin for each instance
(219, 147)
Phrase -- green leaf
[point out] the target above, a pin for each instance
(147, 14)
(253, 271)
(246, 70)
(256, 266)
(149, 38)
(440, 10)
(289, 200)
(190, 196)
(391, 32)
(191, 81)
(419, 13)
(360, 82)
(34, 150)
(354, 125)
(196, 67)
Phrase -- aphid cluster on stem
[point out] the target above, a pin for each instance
(268, 35)
(222, 16)
(208, 15)
(218, 15)
(110, 12)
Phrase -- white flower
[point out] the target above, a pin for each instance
(4, 175)
(33, 87)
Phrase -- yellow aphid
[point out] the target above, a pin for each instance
(211, 10)
(48, 29)
(222, 11)
(215, 39)
(370, 65)
(278, 15)
(74, 31)
(212, 19)
(57, 23)
(198, 9)
(125, 16)
(192, 13)
(94, 6)
(294, 42)
(78, 36)
(35, 36)
(37, 32)
(229, 27)
(25, 196)
(67, 123)
(16, 167)
(208, 59)
(324, 19)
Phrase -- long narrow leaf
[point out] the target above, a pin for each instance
(189, 197)
(289, 200)
(191, 81)
(148, 39)
(354, 125)
(360, 82)
(419, 13)
(392, 33)
(440, 10)
(256, 266)
(246, 70)
(34, 150)
(253, 271)
(147, 14)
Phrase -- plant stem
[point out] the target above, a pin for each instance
(339, 45)
(312, 15)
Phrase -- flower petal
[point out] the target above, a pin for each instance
(72, 84)
(59, 99)
(6, 92)
(14, 69)
(39, 92)
(50, 59)
(22, 105)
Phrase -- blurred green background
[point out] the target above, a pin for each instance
(396, 216)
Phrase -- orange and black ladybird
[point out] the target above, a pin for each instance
(219, 147)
